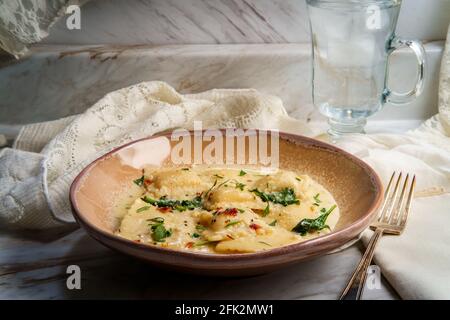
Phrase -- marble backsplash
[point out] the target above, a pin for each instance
(57, 81)
(128, 22)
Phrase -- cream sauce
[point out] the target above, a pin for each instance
(226, 210)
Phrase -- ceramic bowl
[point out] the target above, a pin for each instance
(355, 186)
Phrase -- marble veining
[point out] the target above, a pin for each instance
(223, 21)
(38, 271)
(57, 81)
(187, 21)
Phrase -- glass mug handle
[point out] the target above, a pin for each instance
(418, 49)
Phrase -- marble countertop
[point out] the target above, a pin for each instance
(33, 266)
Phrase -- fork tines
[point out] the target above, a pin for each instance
(395, 208)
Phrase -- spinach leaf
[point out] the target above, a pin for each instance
(140, 181)
(317, 224)
(285, 197)
(159, 233)
(179, 205)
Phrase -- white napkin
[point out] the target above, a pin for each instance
(417, 263)
(35, 175)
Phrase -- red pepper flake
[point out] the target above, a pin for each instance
(148, 182)
(255, 226)
(230, 212)
(137, 240)
(189, 245)
(165, 209)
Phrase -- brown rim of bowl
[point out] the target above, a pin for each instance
(239, 256)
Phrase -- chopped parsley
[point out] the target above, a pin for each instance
(210, 189)
(241, 210)
(142, 209)
(242, 173)
(273, 223)
(285, 197)
(298, 179)
(185, 169)
(159, 232)
(232, 223)
(240, 186)
(203, 243)
(200, 227)
(266, 211)
(317, 224)
(179, 205)
(195, 235)
(223, 183)
(316, 198)
(140, 181)
(157, 220)
(215, 186)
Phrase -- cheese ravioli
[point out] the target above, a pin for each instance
(227, 210)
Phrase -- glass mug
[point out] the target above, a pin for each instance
(351, 44)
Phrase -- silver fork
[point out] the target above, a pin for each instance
(391, 220)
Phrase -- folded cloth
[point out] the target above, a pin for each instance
(36, 173)
(417, 263)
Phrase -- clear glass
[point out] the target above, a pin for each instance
(351, 43)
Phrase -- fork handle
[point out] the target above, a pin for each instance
(355, 286)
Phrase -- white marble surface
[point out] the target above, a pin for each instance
(33, 266)
(223, 21)
(57, 81)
